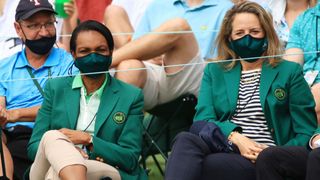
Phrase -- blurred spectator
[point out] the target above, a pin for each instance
(184, 34)
(10, 43)
(285, 12)
(91, 9)
(123, 17)
(303, 47)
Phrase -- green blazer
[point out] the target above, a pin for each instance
(117, 140)
(285, 98)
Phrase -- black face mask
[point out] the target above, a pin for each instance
(41, 46)
(93, 62)
(249, 47)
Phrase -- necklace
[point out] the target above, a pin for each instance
(247, 80)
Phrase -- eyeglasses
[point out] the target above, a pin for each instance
(37, 27)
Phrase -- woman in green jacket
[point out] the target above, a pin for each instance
(255, 102)
(90, 125)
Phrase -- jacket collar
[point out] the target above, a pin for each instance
(108, 101)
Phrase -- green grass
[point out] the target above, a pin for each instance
(154, 173)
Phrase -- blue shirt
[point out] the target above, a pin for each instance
(303, 36)
(22, 93)
(205, 20)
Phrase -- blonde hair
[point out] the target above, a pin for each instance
(265, 19)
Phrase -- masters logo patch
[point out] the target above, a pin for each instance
(119, 117)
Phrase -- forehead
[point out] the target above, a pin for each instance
(90, 39)
(245, 21)
(40, 16)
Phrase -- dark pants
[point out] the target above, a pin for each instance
(17, 141)
(191, 159)
(279, 163)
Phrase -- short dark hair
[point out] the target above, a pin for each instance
(91, 25)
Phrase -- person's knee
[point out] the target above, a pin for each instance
(314, 155)
(130, 64)
(131, 67)
(132, 72)
(50, 136)
(178, 24)
(113, 11)
(266, 156)
(184, 136)
(187, 139)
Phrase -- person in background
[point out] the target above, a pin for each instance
(123, 17)
(91, 9)
(21, 96)
(10, 43)
(89, 126)
(254, 102)
(303, 47)
(163, 84)
(284, 14)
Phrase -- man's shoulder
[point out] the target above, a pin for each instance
(8, 63)
(307, 16)
(10, 59)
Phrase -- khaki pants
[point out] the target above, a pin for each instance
(56, 151)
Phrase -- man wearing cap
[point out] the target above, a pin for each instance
(21, 96)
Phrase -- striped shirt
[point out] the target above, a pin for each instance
(249, 114)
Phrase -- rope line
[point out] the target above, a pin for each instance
(166, 66)
(4, 37)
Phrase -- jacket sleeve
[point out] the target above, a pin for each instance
(126, 152)
(205, 109)
(42, 122)
(301, 108)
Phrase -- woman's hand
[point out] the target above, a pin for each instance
(247, 147)
(76, 137)
(82, 152)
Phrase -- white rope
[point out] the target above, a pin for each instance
(167, 66)
(4, 37)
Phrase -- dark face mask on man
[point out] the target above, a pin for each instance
(92, 63)
(249, 47)
(41, 46)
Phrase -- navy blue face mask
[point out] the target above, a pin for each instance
(92, 63)
(249, 47)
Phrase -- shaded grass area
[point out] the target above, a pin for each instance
(154, 173)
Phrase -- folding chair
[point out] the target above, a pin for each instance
(163, 123)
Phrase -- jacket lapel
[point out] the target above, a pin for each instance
(232, 80)
(268, 74)
(72, 103)
(108, 101)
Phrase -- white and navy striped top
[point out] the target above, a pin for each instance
(249, 115)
